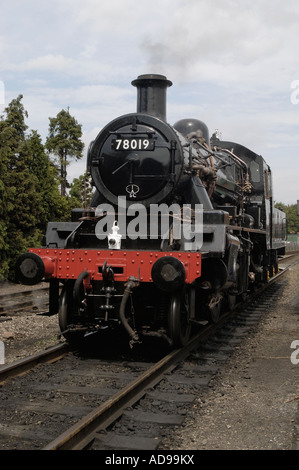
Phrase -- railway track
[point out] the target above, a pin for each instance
(16, 302)
(119, 403)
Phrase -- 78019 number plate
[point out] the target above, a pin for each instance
(139, 143)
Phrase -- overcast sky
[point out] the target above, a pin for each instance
(234, 64)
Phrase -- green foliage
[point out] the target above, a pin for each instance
(52, 205)
(20, 200)
(29, 188)
(81, 191)
(291, 214)
(64, 142)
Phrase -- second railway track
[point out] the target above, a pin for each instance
(83, 401)
(16, 302)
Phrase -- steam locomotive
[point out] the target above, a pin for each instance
(180, 227)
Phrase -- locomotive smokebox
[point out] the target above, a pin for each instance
(151, 94)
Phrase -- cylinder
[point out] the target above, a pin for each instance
(151, 94)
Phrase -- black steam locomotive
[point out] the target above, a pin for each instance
(179, 227)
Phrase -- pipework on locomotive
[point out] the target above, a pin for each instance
(216, 231)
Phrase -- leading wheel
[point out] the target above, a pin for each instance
(178, 319)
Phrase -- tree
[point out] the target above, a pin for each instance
(53, 205)
(291, 215)
(64, 142)
(81, 191)
(29, 182)
(4, 137)
(20, 198)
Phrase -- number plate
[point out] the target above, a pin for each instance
(140, 143)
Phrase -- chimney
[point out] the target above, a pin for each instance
(151, 94)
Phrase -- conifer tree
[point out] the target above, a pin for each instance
(64, 142)
(20, 198)
(53, 206)
(4, 151)
(81, 191)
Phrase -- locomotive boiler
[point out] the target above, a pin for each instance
(180, 226)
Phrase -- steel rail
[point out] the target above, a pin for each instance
(82, 434)
(24, 365)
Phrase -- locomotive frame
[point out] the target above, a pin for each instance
(159, 286)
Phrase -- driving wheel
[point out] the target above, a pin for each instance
(178, 319)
